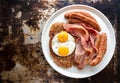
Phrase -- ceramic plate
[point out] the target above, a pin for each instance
(105, 25)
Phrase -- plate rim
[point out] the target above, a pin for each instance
(80, 5)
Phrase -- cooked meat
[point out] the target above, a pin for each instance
(85, 47)
(74, 21)
(81, 55)
(91, 30)
(84, 17)
(76, 30)
(101, 51)
(98, 40)
(87, 15)
(90, 45)
(93, 35)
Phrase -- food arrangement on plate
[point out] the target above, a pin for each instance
(77, 42)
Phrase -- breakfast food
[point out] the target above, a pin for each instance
(85, 48)
(67, 61)
(77, 42)
(63, 44)
(101, 50)
(83, 16)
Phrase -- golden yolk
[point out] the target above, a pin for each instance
(62, 36)
(63, 51)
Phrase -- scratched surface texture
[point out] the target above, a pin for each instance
(21, 57)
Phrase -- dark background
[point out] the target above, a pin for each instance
(111, 9)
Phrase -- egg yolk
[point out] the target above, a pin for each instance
(62, 36)
(63, 51)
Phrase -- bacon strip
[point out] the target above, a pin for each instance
(76, 30)
(91, 31)
(80, 55)
(93, 35)
(83, 56)
(79, 31)
(85, 49)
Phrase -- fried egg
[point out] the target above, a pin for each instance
(63, 44)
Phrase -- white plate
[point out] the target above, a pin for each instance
(105, 25)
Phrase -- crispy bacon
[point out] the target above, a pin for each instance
(91, 30)
(85, 49)
(93, 35)
(82, 56)
(76, 30)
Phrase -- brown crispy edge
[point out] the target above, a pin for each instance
(64, 62)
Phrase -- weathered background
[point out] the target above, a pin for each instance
(21, 57)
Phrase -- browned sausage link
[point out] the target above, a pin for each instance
(82, 13)
(73, 21)
(87, 15)
(101, 50)
(97, 42)
(83, 18)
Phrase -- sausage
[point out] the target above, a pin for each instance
(87, 18)
(87, 15)
(97, 42)
(73, 21)
(101, 51)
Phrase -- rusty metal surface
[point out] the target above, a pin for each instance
(21, 57)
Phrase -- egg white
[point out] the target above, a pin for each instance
(70, 43)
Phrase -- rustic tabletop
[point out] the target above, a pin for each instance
(21, 57)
